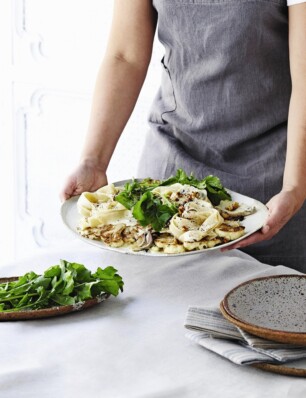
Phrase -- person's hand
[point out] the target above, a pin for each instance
(282, 207)
(88, 176)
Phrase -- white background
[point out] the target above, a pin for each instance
(50, 54)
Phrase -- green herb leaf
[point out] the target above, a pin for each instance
(53, 271)
(109, 274)
(84, 291)
(63, 300)
(134, 190)
(215, 190)
(150, 210)
(82, 273)
(63, 284)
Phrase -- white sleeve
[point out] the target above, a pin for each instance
(292, 2)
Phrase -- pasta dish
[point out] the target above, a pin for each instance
(177, 215)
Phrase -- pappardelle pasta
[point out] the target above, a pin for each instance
(161, 216)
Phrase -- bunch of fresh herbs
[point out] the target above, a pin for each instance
(148, 209)
(63, 284)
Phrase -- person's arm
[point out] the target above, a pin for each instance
(285, 205)
(117, 88)
(295, 170)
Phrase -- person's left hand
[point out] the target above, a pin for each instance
(282, 207)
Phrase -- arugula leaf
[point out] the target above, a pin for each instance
(61, 299)
(181, 177)
(84, 291)
(150, 210)
(215, 190)
(128, 197)
(110, 274)
(110, 286)
(69, 283)
(53, 271)
(133, 191)
(63, 284)
(82, 273)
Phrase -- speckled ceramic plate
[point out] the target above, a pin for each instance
(48, 312)
(252, 223)
(296, 368)
(271, 307)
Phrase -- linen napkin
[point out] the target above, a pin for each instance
(211, 330)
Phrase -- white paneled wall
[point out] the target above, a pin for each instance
(6, 135)
(52, 50)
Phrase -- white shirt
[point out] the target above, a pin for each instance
(292, 2)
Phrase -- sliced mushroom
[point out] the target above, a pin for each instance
(144, 242)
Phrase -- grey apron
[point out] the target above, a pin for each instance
(222, 107)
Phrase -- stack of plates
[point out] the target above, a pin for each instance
(273, 308)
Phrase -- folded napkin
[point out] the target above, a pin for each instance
(212, 331)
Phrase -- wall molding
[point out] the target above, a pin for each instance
(34, 40)
(33, 107)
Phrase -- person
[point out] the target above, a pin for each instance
(232, 103)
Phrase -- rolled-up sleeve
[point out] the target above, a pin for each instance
(293, 2)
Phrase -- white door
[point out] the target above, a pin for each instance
(50, 53)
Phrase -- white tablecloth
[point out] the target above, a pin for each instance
(134, 345)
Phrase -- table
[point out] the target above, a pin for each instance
(134, 345)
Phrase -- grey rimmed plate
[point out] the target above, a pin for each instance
(252, 223)
(272, 307)
(294, 368)
(48, 312)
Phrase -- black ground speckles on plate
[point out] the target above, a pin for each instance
(277, 303)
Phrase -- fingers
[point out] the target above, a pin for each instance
(83, 179)
(277, 219)
(280, 212)
(68, 190)
(64, 196)
(270, 228)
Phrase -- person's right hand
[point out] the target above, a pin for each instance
(88, 176)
